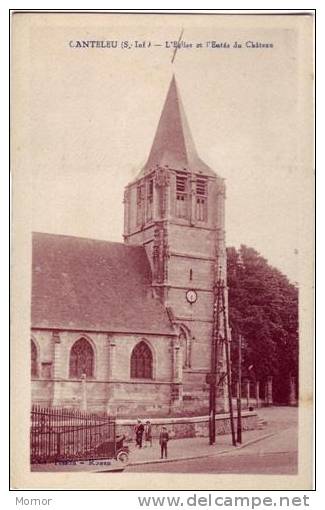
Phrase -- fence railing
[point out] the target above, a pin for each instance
(67, 434)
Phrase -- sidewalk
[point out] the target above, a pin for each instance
(193, 448)
(277, 420)
(178, 449)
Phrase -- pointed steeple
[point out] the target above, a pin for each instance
(173, 144)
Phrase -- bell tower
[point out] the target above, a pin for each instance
(175, 208)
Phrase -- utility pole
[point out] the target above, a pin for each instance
(239, 424)
(227, 348)
(212, 377)
(219, 342)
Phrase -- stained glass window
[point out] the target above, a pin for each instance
(141, 362)
(81, 359)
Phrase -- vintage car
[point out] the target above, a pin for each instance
(113, 450)
(110, 455)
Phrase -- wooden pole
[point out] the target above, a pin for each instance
(239, 423)
(227, 348)
(214, 361)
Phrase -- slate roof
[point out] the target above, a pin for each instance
(173, 144)
(92, 285)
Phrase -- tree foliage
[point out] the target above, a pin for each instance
(263, 308)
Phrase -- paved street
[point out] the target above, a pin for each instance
(271, 463)
(269, 455)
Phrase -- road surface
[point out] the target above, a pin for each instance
(275, 455)
(271, 463)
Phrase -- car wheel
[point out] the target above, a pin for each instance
(122, 457)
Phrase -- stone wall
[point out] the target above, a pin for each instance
(129, 400)
(188, 427)
(111, 387)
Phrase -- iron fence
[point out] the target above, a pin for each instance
(58, 434)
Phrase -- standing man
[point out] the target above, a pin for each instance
(139, 433)
(148, 433)
(163, 440)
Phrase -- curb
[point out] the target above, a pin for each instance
(256, 440)
(229, 450)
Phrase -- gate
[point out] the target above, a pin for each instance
(68, 435)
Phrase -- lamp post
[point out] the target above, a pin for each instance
(239, 389)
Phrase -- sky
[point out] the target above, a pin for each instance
(89, 117)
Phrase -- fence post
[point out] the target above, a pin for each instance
(66, 434)
(269, 391)
(247, 392)
(56, 397)
(257, 394)
(83, 393)
(58, 445)
(292, 394)
(111, 374)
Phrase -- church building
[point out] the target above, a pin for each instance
(127, 328)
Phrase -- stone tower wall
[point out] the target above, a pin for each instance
(185, 254)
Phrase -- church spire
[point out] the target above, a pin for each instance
(173, 144)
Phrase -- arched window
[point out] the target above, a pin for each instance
(81, 359)
(34, 360)
(186, 347)
(141, 362)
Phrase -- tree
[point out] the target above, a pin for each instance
(263, 308)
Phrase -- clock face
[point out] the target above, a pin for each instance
(191, 296)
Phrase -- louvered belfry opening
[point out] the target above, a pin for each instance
(181, 196)
(201, 199)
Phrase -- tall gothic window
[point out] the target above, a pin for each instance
(149, 199)
(140, 204)
(181, 196)
(201, 199)
(81, 359)
(184, 343)
(141, 362)
(34, 360)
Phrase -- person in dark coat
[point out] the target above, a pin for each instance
(163, 440)
(139, 433)
(148, 433)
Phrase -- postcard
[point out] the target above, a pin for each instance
(162, 249)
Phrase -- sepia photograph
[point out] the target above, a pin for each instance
(162, 303)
